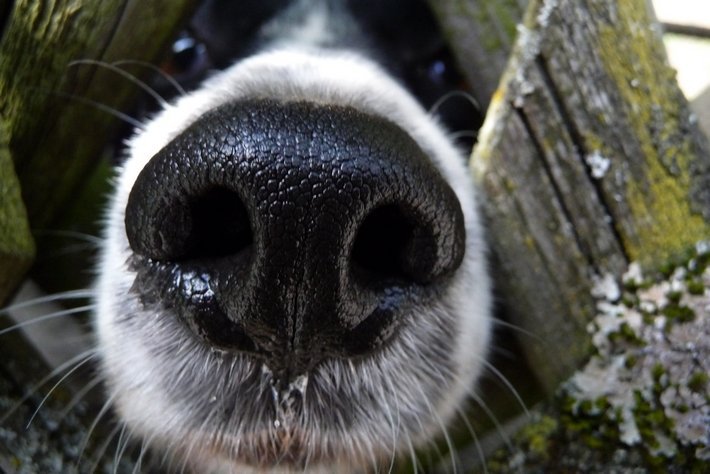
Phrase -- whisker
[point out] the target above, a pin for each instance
(185, 457)
(43, 381)
(92, 239)
(155, 69)
(491, 416)
(79, 395)
(476, 441)
(65, 295)
(373, 458)
(139, 462)
(413, 455)
(121, 445)
(126, 75)
(515, 327)
(203, 428)
(449, 95)
(104, 108)
(104, 409)
(444, 431)
(396, 424)
(54, 387)
(463, 134)
(508, 385)
(103, 448)
(72, 249)
(455, 462)
(46, 317)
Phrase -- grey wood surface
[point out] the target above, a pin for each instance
(589, 158)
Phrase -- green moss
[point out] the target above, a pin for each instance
(680, 259)
(674, 296)
(696, 287)
(593, 427)
(678, 313)
(631, 286)
(698, 264)
(592, 424)
(698, 381)
(537, 436)
(629, 300)
(657, 198)
(658, 371)
(625, 334)
(14, 230)
(651, 419)
(498, 20)
(585, 407)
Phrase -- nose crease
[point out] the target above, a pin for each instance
(327, 226)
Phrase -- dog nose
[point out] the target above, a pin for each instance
(293, 231)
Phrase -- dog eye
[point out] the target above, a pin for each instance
(435, 80)
(441, 72)
(189, 60)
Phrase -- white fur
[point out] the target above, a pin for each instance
(132, 372)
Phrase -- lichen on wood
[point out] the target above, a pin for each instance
(665, 215)
(643, 400)
(589, 157)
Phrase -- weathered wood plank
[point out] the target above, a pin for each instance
(55, 132)
(481, 34)
(16, 245)
(589, 158)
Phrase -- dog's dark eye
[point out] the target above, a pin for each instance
(437, 71)
(183, 69)
(438, 85)
(189, 56)
(411, 46)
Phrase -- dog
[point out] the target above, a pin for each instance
(293, 275)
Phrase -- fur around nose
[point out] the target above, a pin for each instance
(293, 231)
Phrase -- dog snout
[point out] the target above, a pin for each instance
(293, 231)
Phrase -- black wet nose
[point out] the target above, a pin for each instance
(293, 231)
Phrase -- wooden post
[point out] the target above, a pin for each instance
(54, 127)
(56, 134)
(481, 34)
(16, 244)
(589, 158)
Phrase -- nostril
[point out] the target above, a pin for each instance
(188, 225)
(220, 225)
(380, 243)
(395, 243)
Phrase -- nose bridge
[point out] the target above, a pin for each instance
(308, 202)
(301, 234)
